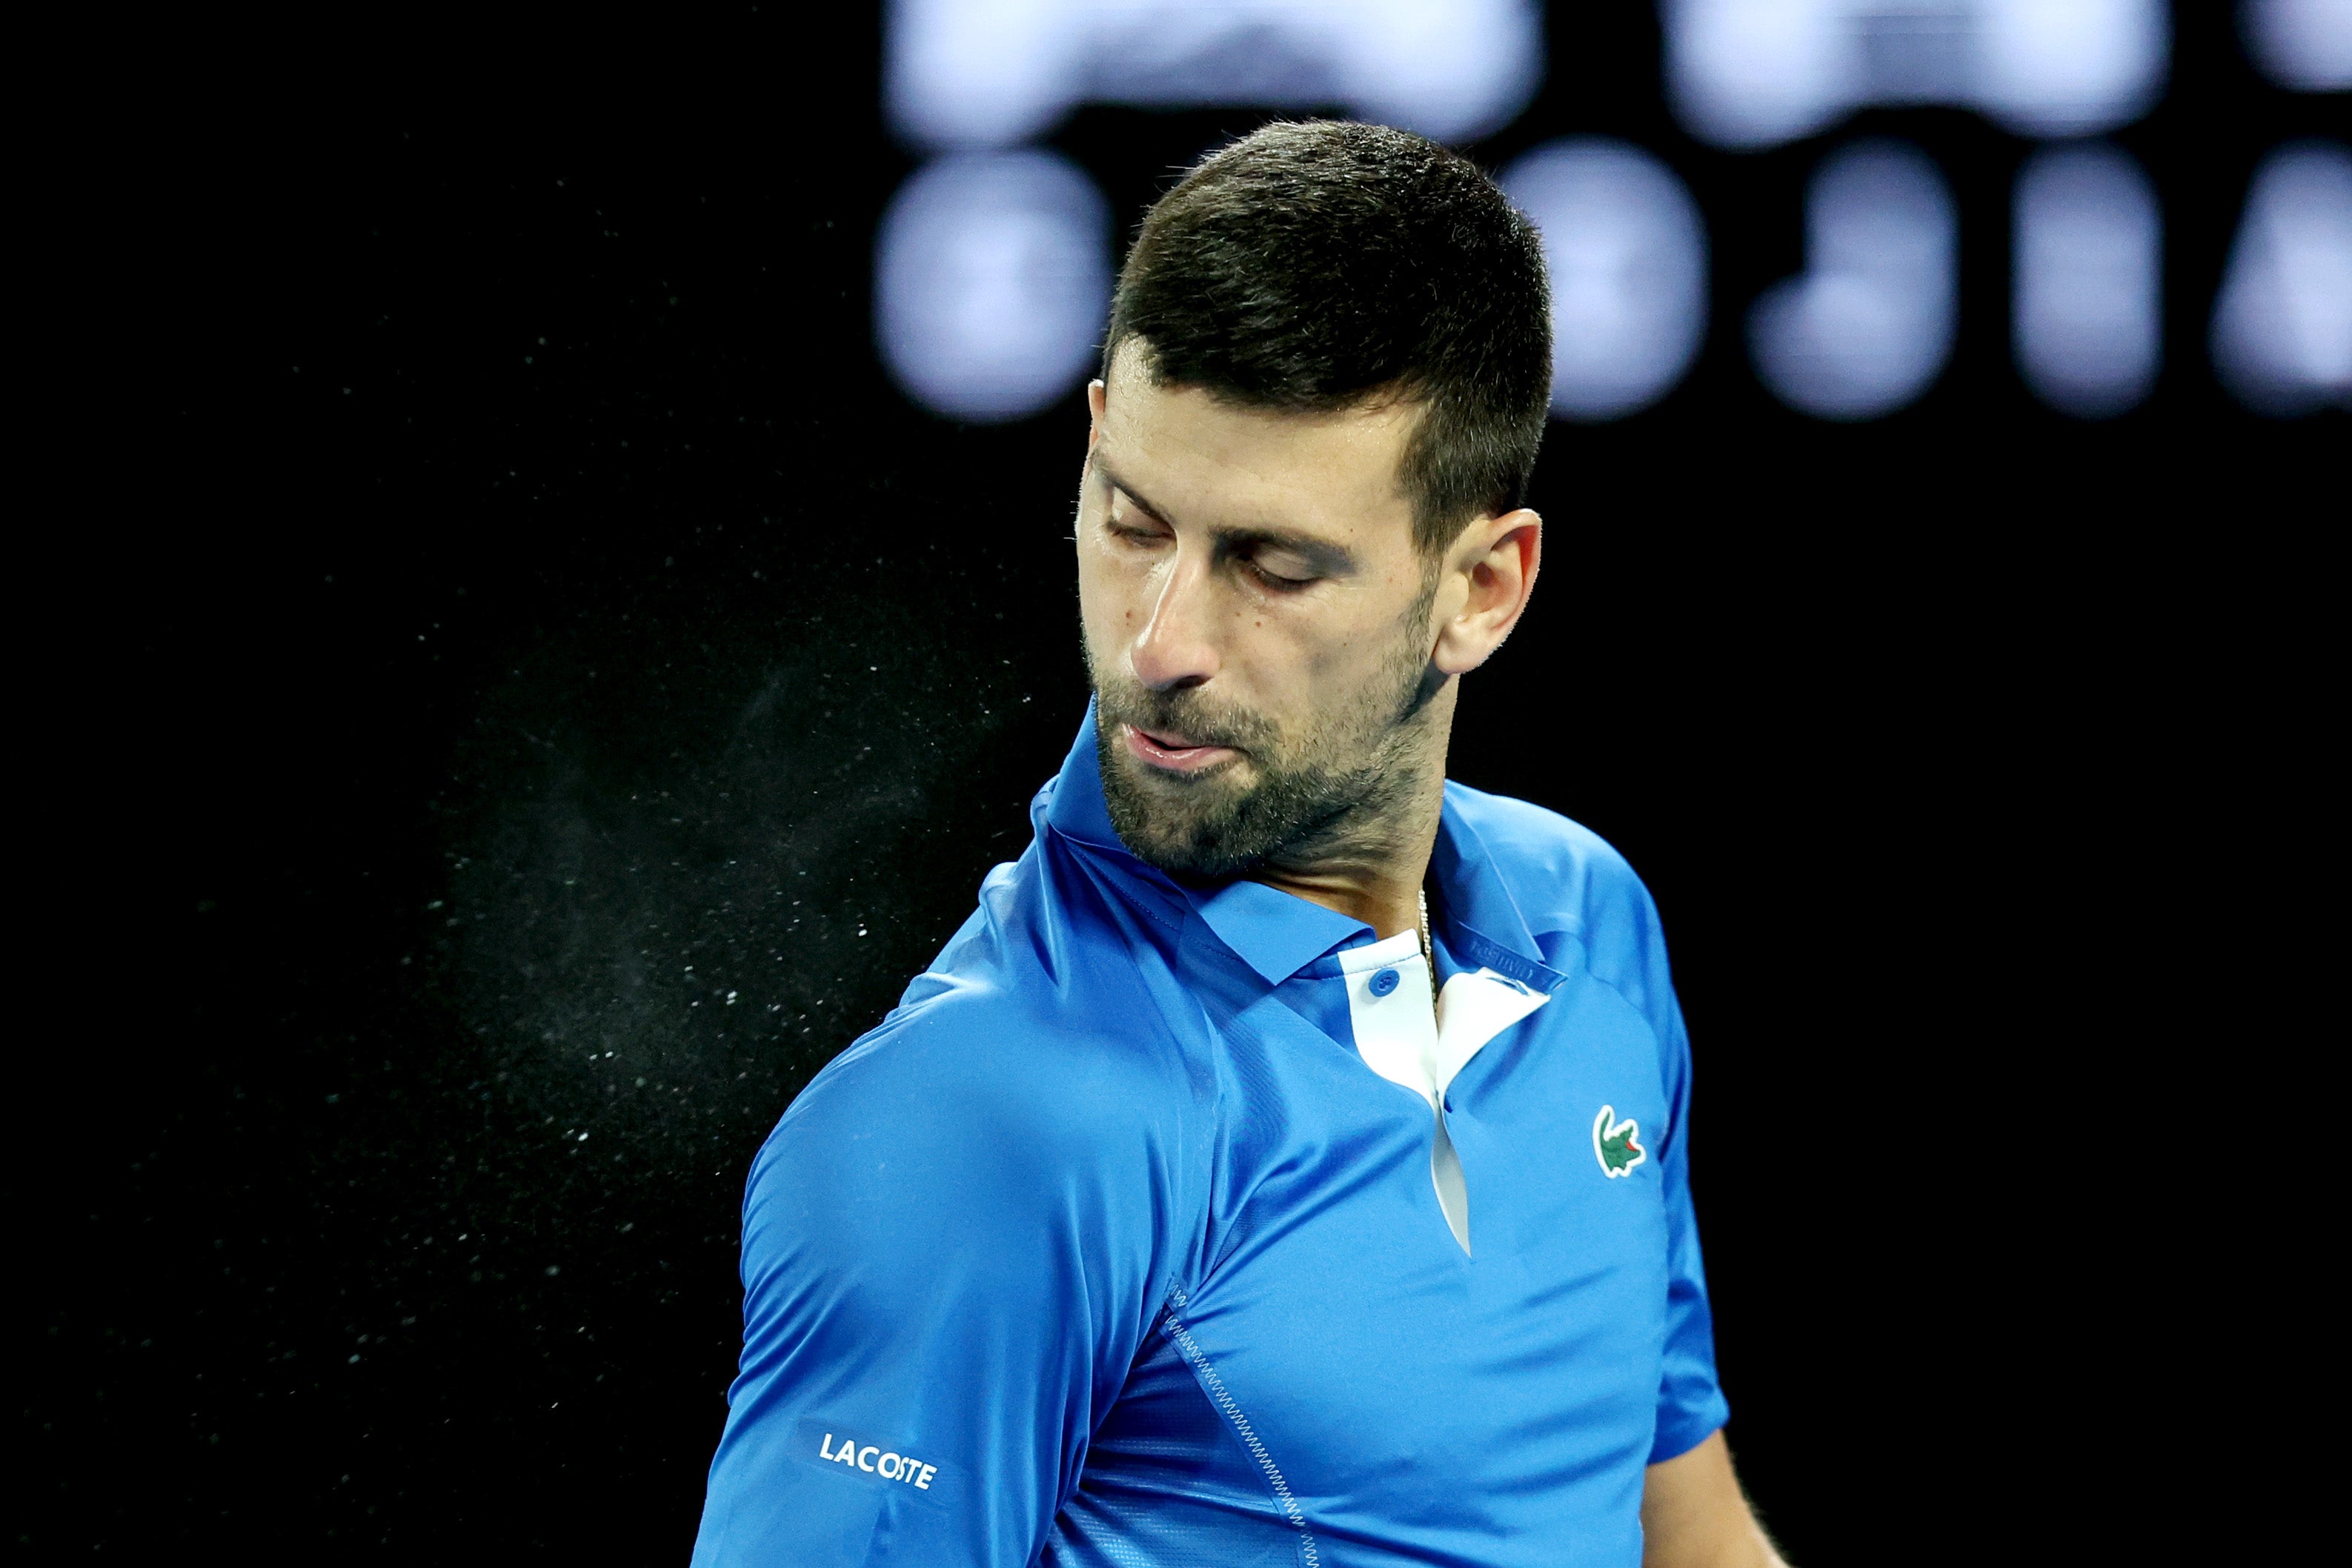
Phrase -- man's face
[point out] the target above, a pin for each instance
(1258, 621)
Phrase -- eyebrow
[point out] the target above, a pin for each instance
(1327, 559)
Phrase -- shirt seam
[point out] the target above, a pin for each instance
(1657, 1039)
(1118, 885)
(1214, 1386)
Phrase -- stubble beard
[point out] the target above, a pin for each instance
(1325, 791)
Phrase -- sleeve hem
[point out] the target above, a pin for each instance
(1688, 1430)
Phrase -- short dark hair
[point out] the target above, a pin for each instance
(1319, 266)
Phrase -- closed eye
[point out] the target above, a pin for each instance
(1280, 581)
(1128, 534)
(1131, 524)
(1275, 565)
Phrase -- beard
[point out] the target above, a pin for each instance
(1292, 796)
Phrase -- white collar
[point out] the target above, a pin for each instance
(1399, 1035)
(1407, 1042)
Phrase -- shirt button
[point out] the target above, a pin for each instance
(1383, 982)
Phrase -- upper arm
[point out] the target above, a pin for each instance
(1691, 1402)
(1695, 1516)
(945, 1266)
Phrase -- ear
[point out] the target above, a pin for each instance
(1096, 394)
(1489, 573)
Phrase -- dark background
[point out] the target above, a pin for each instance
(542, 691)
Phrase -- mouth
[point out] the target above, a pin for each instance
(1173, 753)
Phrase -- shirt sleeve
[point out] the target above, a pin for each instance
(1691, 1404)
(949, 1263)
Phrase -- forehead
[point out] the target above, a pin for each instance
(1219, 464)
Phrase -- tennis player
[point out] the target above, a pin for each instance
(1287, 1163)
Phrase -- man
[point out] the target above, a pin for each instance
(1287, 1163)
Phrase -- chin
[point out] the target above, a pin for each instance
(1169, 822)
(1202, 859)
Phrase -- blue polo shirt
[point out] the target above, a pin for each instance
(1173, 1223)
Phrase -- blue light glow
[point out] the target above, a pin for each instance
(992, 277)
(2088, 254)
(2283, 325)
(1627, 253)
(1868, 326)
(964, 73)
(2306, 44)
(1757, 73)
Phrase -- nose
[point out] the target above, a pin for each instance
(1173, 649)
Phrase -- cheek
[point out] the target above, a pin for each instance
(1342, 668)
(1118, 582)
(1105, 600)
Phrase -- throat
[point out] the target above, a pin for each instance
(1385, 895)
(1370, 864)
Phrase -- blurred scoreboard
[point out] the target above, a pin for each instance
(994, 262)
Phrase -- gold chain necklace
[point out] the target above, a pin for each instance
(1428, 955)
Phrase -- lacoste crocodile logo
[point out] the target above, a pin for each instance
(1617, 1144)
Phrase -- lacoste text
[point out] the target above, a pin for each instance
(890, 1467)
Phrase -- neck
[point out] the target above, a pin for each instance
(1370, 864)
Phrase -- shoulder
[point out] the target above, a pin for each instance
(1027, 1119)
(997, 1087)
(978, 1049)
(1574, 888)
(1561, 874)
(969, 1136)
